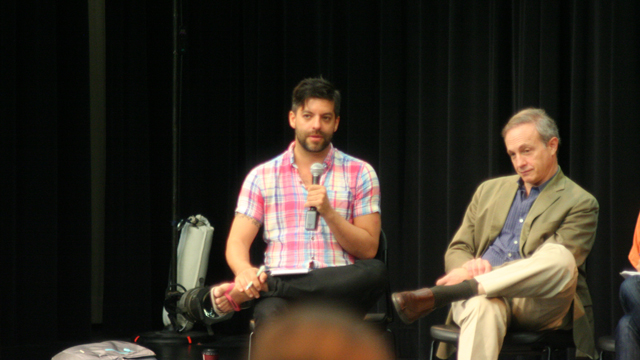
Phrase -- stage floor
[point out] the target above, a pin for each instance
(228, 347)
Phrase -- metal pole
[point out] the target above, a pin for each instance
(175, 119)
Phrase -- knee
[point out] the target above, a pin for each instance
(379, 270)
(629, 289)
(562, 260)
(374, 270)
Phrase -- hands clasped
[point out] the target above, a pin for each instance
(250, 282)
(469, 270)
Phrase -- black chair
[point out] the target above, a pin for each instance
(607, 343)
(515, 342)
(381, 313)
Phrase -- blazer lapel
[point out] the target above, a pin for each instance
(547, 197)
(503, 201)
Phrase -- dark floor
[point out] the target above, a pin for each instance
(228, 347)
(169, 346)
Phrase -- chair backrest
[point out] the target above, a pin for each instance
(382, 311)
(382, 248)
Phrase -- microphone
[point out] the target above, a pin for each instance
(311, 220)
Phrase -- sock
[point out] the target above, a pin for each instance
(444, 295)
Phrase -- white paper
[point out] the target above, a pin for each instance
(283, 271)
(625, 274)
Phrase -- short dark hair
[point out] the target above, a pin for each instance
(318, 88)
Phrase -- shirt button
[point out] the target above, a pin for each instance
(313, 238)
(521, 220)
(515, 242)
(509, 255)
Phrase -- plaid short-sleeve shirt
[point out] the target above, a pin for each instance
(273, 193)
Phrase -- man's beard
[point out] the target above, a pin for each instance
(314, 148)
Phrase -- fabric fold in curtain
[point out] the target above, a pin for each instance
(46, 215)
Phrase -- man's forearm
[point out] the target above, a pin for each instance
(238, 257)
(458, 254)
(360, 239)
(243, 231)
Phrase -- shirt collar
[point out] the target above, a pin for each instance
(328, 160)
(540, 187)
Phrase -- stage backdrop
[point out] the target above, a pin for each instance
(427, 86)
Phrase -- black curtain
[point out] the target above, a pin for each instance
(427, 86)
(138, 164)
(46, 218)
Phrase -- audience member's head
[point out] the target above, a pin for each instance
(319, 332)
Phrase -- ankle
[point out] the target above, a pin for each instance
(446, 294)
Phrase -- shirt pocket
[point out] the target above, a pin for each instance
(342, 202)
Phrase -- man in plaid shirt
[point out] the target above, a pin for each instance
(335, 261)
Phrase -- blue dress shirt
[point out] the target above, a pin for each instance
(506, 247)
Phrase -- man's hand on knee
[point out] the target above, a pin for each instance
(468, 271)
(477, 267)
(455, 276)
(249, 282)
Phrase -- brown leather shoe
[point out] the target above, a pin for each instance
(412, 305)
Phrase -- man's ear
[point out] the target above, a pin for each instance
(553, 145)
(292, 119)
(335, 127)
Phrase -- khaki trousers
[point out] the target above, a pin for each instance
(527, 294)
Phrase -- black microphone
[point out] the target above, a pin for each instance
(311, 220)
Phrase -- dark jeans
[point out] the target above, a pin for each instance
(356, 286)
(628, 330)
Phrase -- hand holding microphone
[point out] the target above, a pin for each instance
(311, 219)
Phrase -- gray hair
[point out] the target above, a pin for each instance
(545, 125)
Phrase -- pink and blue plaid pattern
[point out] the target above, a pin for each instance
(273, 193)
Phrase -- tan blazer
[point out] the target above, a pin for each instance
(563, 213)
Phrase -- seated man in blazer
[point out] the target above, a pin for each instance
(518, 259)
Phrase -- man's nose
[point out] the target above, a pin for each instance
(315, 122)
